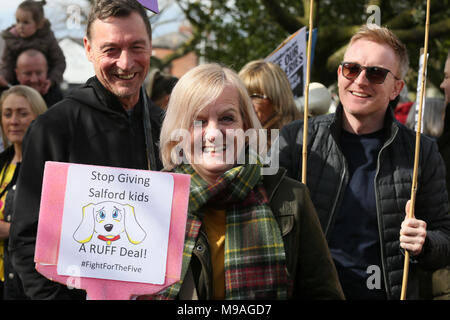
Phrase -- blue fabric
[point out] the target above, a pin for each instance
(354, 240)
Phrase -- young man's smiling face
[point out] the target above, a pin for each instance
(361, 99)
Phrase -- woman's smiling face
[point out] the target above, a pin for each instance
(216, 119)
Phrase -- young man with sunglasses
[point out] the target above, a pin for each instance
(359, 172)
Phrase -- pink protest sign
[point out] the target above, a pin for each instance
(151, 5)
(114, 232)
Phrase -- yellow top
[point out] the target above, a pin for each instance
(215, 224)
(6, 175)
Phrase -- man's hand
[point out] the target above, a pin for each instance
(413, 233)
(44, 86)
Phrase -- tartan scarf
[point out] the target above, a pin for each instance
(255, 261)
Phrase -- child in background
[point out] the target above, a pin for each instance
(32, 30)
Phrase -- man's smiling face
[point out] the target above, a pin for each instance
(361, 98)
(120, 50)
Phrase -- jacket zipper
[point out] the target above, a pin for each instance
(379, 217)
(338, 196)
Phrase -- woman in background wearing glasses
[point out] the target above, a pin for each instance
(359, 172)
(271, 94)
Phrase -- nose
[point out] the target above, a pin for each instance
(125, 61)
(361, 78)
(212, 133)
(108, 227)
(34, 78)
(14, 118)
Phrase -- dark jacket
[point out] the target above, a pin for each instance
(308, 259)
(327, 178)
(441, 278)
(53, 96)
(444, 145)
(43, 40)
(90, 126)
(12, 286)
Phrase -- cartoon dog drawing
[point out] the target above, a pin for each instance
(108, 221)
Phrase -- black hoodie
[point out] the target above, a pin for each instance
(90, 126)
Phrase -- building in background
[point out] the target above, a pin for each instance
(168, 43)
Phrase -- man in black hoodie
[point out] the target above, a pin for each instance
(109, 122)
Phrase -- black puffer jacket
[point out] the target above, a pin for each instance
(90, 126)
(327, 178)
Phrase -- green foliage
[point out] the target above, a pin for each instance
(236, 32)
(234, 35)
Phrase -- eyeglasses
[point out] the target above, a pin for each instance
(258, 96)
(376, 75)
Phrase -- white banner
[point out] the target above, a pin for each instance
(291, 57)
(116, 224)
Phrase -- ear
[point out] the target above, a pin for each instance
(339, 71)
(134, 231)
(85, 230)
(87, 48)
(398, 86)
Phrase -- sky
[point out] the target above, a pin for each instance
(54, 11)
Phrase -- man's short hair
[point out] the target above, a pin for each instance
(103, 9)
(31, 53)
(383, 35)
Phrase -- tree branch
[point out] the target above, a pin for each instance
(402, 20)
(441, 28)
(287, 21)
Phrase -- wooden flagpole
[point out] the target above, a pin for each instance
(410, 214)
(305, 109)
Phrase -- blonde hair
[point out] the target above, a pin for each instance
(197, 89)
(264, 77)
(34, 98)
(383, 35)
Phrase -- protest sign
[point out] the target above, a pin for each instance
(419, 86)
(104, 228)
(151, 5)
(290, 55)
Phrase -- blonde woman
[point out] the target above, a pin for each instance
(19, 106)
(248, 236)
(271, 93)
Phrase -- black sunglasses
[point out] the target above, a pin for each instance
(377, 75)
